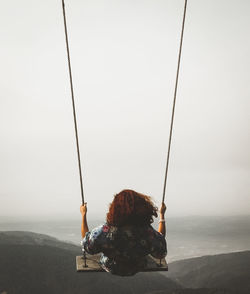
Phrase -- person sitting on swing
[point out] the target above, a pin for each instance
(127, 237)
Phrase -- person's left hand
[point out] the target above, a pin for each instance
(163, 209)
(83, 209)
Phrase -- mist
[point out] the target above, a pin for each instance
(124, 59)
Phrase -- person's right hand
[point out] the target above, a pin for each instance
(163, 209)
(83, 209)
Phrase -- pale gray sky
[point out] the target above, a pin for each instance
(124, 58)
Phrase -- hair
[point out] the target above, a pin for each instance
(131, 208)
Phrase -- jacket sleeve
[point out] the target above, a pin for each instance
(93, 240)
(158, 245)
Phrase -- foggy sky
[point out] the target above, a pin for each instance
(124, 58)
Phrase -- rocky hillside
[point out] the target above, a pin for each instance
(29, 238)
(34, 263)
(225, 271)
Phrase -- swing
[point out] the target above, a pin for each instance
(90, 263)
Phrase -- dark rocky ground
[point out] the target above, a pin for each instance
(35, 263)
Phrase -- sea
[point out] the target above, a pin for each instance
(187, 237)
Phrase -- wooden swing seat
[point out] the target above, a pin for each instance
(92, 262)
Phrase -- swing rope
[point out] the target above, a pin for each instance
(173, 107)
(73, 100)
(174, 102)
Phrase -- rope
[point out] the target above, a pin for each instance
(74, 110)
(73, 100)
(174, 101)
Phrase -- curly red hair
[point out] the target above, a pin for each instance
(131, 208)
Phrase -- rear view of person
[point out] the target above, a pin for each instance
(127, 237)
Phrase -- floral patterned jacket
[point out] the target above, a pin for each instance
(124, 249)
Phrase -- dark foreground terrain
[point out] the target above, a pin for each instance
(34, 263)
